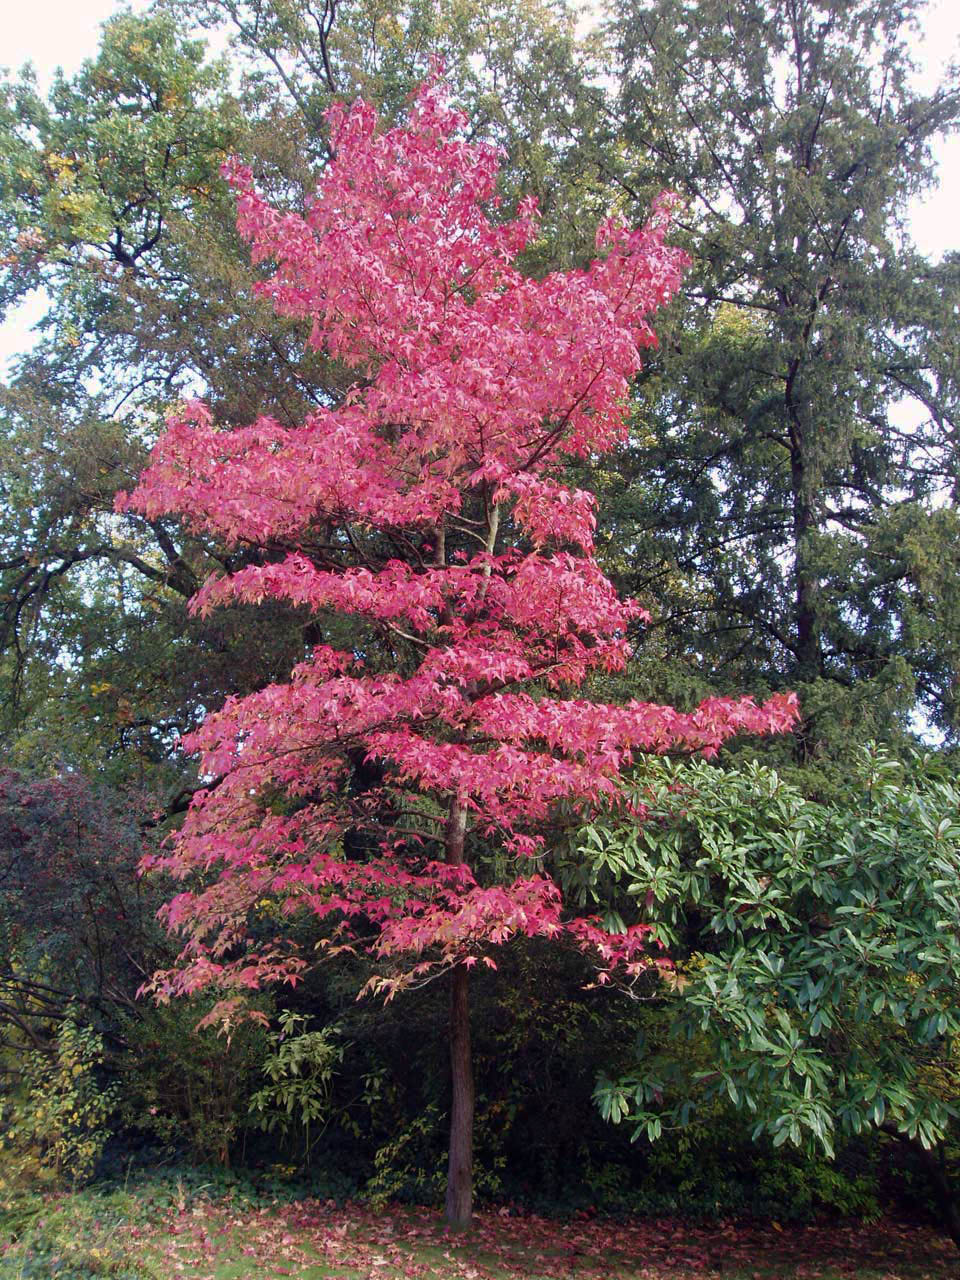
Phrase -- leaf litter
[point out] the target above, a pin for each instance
(210, 1238)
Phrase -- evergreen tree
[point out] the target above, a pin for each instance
(791, 496)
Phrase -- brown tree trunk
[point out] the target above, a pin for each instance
(459, 1203)
(808, 651)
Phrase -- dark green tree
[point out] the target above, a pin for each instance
(97, 187)
(788, 503)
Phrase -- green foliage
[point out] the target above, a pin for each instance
(58, 1119)
(411, 1164)
(300, 1066)
(190, 1088)
(816, 965)
(711, 1169)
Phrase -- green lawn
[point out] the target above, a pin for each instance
(151, 1234)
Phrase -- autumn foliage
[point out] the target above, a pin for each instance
(428, 507)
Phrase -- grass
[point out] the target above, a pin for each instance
(163, 1230)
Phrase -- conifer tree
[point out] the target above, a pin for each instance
(801, 422)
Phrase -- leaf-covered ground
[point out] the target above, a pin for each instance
(131, 1237)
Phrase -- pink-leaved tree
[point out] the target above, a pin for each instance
(428, 508)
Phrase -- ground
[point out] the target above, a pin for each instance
(150, 1234)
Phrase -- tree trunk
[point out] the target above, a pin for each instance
(459, 1204)
(808, 651)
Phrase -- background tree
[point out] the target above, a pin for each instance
(78, 937)
(93, 184)
(792, 503)
(112, 204)
(76, 925)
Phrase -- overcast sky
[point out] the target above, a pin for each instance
(61, 33)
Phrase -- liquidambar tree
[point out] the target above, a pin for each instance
(423, 745)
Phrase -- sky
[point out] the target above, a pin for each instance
(61, 33)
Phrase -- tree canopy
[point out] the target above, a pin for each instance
(793, 508)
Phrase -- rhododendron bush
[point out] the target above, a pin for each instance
(427, 506)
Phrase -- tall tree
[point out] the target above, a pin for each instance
(426, 506)
(96, 187)
(112, 205)
(795, 462)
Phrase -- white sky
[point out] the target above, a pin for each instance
(52, 33)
